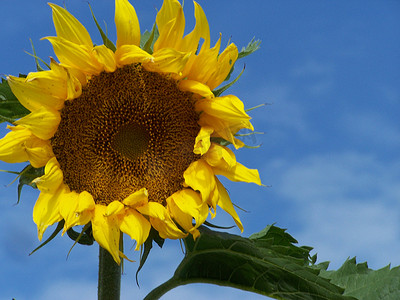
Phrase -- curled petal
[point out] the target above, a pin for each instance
(77, 209)
(200, 177)
(114, 208)
(106, 231)
(186, 205)
(136, 226)
(202, 142)
(105, 57)
(136, 199)
(38, 151)
(52, 178)
(228, 108)
(12, 146)
(127, 23)
(69, 28)
(43, 122)
(161, 221)
(223, 162)
(131, 54)
(196, 88)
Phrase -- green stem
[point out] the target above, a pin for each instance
(109, 287)
(162, 289)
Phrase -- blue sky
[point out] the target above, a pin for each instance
(330, 152)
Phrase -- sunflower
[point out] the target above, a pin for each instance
(130, 136)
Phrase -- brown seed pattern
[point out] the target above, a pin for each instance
(129, 129)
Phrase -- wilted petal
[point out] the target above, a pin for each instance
(52, 178)
(202, 142)
(226, 204)
(106, 231)
(46, 210)
(200, 177)
(136, 226)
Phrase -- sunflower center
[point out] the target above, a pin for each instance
(129, 129)
(131, 141)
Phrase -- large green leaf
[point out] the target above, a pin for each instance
(10, 108)
(364, 283)
(267, 263)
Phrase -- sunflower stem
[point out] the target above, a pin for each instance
(109, 286)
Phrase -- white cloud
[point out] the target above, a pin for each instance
(347, 204)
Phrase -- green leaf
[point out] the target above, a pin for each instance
(60, 226)
(148, 245)
(364, 283)
(10, 108)
(106, 41)
(27, 175)
(268, 263)
(85, 237)
(37, 59)
(251, 47)
(219, 91)
(148, 39)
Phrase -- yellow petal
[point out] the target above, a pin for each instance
(85, 208)
(185, 205)
(114, 208)
(171, 25)
(12, 146)
(240, 173)
(105, 56)
(52, 178)
(71, 209)
(228, 108)
(205, 63)
(67, 206)
(43, 122)
(167, 60)
(161, 221)
(85, 203)
(200, 177)
(226, 204)
(136, 226)
(191, 41)
(220, 157)
(46, 210)
(35, 93)
(127, 23)
(106, 231)
(39, 151)
(196, 88)
(138, 198)
(225, 63)
(202, 142)
(69, 28)
(131, 54)
(223, 162)
(75, 56)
